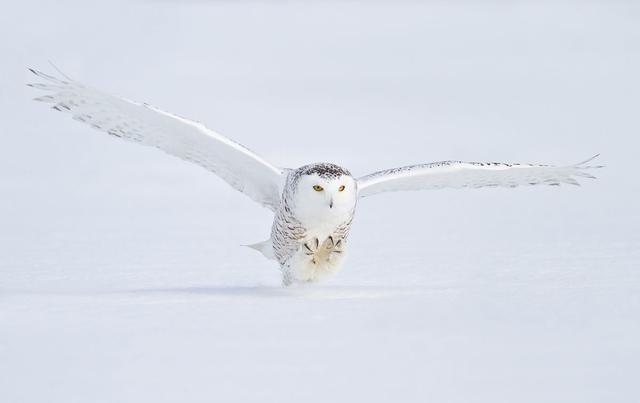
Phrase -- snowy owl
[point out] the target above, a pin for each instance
(313, 205)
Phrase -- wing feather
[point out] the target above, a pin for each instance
(459, 174)
(177, 136)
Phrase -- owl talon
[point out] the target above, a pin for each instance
(311, 250)
(319, 253)
(329, 243)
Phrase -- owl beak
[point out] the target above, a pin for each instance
(331, 203)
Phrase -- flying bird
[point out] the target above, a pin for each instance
(313, 205)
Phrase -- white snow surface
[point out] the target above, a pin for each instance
(122, 278)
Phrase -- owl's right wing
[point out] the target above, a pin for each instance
(186, 139)
(458, 174)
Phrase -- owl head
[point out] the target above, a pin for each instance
(323, 190)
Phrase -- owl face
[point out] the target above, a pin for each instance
(321, 195)
(327, 193)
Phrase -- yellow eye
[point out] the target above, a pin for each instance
(317, 188)
(341, 188)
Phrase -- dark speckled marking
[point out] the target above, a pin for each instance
(324, 170)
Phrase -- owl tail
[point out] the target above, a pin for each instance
(265, 247)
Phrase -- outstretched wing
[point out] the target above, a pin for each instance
(458, 174)
(142, 123)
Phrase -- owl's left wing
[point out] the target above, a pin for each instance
(458, 174)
